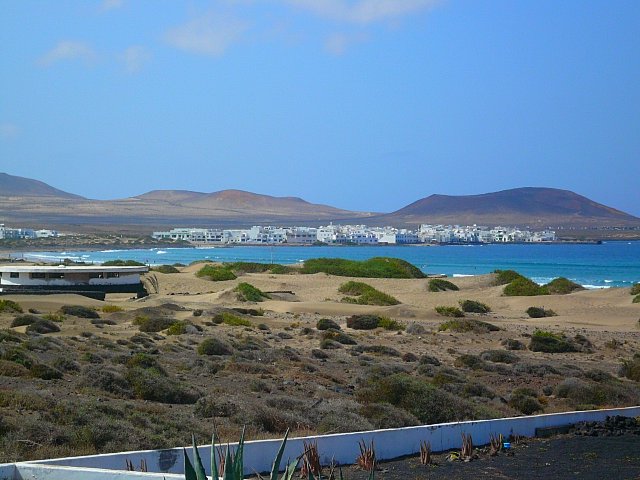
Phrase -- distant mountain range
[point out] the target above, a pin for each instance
(30, 202)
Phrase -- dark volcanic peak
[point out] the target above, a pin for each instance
(13, 186)
(518, 206)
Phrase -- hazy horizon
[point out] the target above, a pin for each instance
(364, 105)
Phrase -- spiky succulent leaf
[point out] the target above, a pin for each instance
(276, 463)
(189, 472)
(238, 460)
(214, 463)
(198, 467)
(229, 473)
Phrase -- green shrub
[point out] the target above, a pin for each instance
(26, 319)
(390, 324)
(144, 360)
(216, 273)
(234, 321)
(326, 324)
(148, 384)
(525, 401)
(523, 287)
(177, 328)
(513, 344)
(79, 311)
(539, 312)
(636, 299)
(377, 267)
(467, 325)
(248, 293)
(151, 325)
(473, 306)
(255, 267)
(12, 369)
(45, 372)
(213, 346)
(470, 361)
(503, 277)
(499, 356)
(548, 342)
(18, 355)
(631, 368)
(166, 269)
(477, 390)
(10, 306)
(122, 263)
(450, 311)
(562, 286)
(338, 336)
(426, 402)
(254, 312)
(635, 289)
(55, 317)
(440, 285)
(112, 309)
(385, 415)
(367, 295)
(43, 326)
(607, 392)
(363, 322)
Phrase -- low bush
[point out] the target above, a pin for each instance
(377, 267)
(440, 285)
(473, 306)
(470, 361)
(106, 380)
(79, 311)
(45, 372)
(112, 309)
(255, 267)
(43, 326)
(166, 269)
(122, 263)
(631, 368)
(499, 356)
(415, 328)
(363, 322)
(523, 287)
(513, 344)
(525, 401)
(429, 360)
(328, 344)
(450, 311)
(12, 369)
(635, 289)
(377, 349)
(213, 346)
(503, 277)
(248, 293)
(22, 320)
(468, 325)
(216, 273)
(148, 384)
(390, 324)
(254, 312)
(10, 306)
(385, 415)
(562, 286)
(477, 390)
(326, 324)
(549, 342)
(234, 321)
(55, 317)
(584, 393)
(540, 312)
(177, 328)
(338, 336)
(636, 299)
(152, 325)
(366, 294)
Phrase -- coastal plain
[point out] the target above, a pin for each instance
(112, 386)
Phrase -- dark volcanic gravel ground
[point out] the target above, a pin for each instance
(566, 456)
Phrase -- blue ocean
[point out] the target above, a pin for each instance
(610, 264)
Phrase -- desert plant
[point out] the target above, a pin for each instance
(367, 458)
(468, 325)
(425, 453)
(213, 346)
(166, 269)
(311, 467)
(122, 263)
(377, 267)
(248, 293)
(43, 326)
(466, 451)
(503, 277)
(635, 289)
(522, 286)
(151, 325)
(366, 294)
(233, 320)
(499, 356)
(216, 273)
(22, 320)
(10, 306)
(636, 299)
(473, 306)
(631, 368)
(390, 324)
(79, 311)
(326, 324)
(540, 312)
(112, 309)
(513, 344)
(562, 286)
(440, 285)
(55, 317)
(549, 342)
(525, 400)
(338, 336)
(45, 372)
(363, 322)
(449, 311)
(495, 444)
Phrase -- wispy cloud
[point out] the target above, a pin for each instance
(363, 11)
(111, 5)
(338, 43)
(210, 34)
(135, 58)
(67, 50)
(8, 130)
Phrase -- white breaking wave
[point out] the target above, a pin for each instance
(461, 275)
(110, 251)
(596, 287)
(161, 252)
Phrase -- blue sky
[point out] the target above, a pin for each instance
(361, 104)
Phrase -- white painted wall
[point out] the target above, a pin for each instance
(391, 443)
(70, 279)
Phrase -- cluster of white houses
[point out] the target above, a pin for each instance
(22, 233)
(354, 234)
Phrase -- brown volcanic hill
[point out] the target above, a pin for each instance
(26, 205)
(519, 206)
(12, 186)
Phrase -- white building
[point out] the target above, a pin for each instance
(93, 281)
